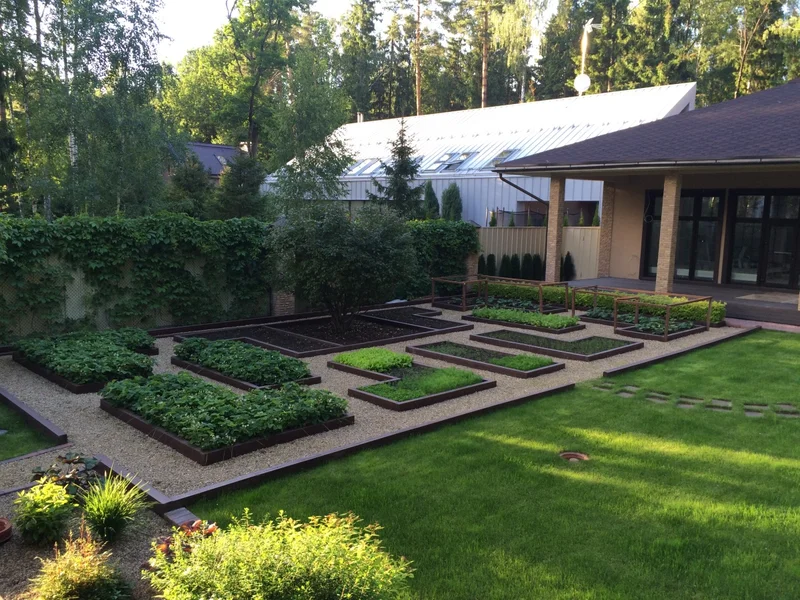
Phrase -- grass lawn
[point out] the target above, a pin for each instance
(20, 438)
(673, 504)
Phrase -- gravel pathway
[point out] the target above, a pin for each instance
(92, 431)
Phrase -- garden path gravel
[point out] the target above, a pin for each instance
(92, 431)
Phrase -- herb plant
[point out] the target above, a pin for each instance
(379, 360)
(42, 513)
(110, 505)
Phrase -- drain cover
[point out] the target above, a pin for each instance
(574, 456)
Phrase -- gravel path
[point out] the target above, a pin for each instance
(92, 431)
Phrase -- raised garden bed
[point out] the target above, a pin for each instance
(512, 365)
(401, 380)
(208, 423)
(241, 365)
(313, 337)
(521, 304)
(642, 326)
(525, 320)
(586, 349)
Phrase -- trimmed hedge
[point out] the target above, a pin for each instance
(524, 317)
(555, 295)
(242, 361)
(210, 416)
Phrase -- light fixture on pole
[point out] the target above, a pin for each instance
(582, 81)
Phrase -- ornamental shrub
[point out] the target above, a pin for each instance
(493, 219)
(42, 513)
(81, 571)
(430, 202)
(538, 268)
(526, 269)
(568, 268)
(131, 338)
(481, 265)
(209, 416)
(110, 505)
(242, 361)
(515, 266)
(596, 217)
(451, 203)
(491, 265)
(329, 557)
(505, 266)
(374, 359)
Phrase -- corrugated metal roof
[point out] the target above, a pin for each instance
(483, 134)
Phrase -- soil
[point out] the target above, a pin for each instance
(269, 335)
(471, 352)
(412, 317)
(585, 346)
(361, 330)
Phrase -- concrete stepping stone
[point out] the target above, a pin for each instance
(625, 394)
(788, 415)
(659, 394)
(787, 407)
(756, 407)
(717, 408)
(658, 399)
(681, 404)
(753, 413)
(631, 388)
(690, 400)
(722, 403)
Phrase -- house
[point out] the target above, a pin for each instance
(709, 196)
(464, 146)
(213, 157)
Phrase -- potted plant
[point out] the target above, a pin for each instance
(5, 530)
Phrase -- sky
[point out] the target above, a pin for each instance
(192, 23)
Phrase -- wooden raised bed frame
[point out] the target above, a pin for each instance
(484, 366)
(484, 384)
(630, 347)
(209, 457)
(232, 381)
(569, 329)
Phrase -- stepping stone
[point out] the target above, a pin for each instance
(789, 415)
(601, 389)
(686, 404)
(719, 409)
(659, 394)
(753, 413)
(625, 394)
(658, 399)
(756, 407)
(722, 403)
(787, 407)
(631, 388)
(690, 400)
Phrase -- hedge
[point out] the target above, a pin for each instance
(555, 295)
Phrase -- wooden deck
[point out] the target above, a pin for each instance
(747, 303)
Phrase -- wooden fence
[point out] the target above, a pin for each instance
(583, 243)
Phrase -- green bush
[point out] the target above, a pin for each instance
(85, 359)
(451, 203)
(110, 505)
(493, 220)
(242, 361)
(131, 338)
(491, 265)
(82, 571)
(511, 222)
(423, 382)
(567, 268)
(481, 265)
(42, 513)
(538, 268)
(328, 557)
(505, 266)
(525, 317)
(526, 268)
(210, 416)
(515, 266)
(646, 324)
(430, 204)
(380, 360)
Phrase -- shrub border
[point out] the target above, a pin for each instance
(232, 381)
(485, 366)
(569, 329)
(209, 457)
(630, 347)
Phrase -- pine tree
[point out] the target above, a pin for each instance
(526, 270)
(481, 265)
(538, 268)
(239, 192)
(505, 266)
(451, 203)
(400, 174)
(567, 268)
(491, 265)
(189, 188)
(555, 70)
(515, 268)
(596, 217)
(360, 54)
(566, 220)
(431, 202)
(581, 222)
(493, 220)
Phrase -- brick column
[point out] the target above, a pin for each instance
(555, 231)
(472, 264)
(283, 303)
(667, 247)
(606, 228)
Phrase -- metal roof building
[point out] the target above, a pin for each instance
(464, 146)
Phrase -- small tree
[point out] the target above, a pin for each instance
(526, 269)
(341, 263)
(515, 266)
(189, 189)
(581, 222)
(566, 220)
(511, 221)
(400, 174)
(431, 202)
(538, 268)
(505, 266)
(567, 268)
(451, 203)
(493, 220)
(596, 217)
(239, 192)
(481, 265)
(491, 265)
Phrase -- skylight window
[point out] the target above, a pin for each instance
(373, 169)
(359, 165)
(449, 162)
(222, 160)
(502, 157)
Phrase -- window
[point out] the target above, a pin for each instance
(222, 160)
(359, 165)
(502, 157)
(374, 169)
(449, 162)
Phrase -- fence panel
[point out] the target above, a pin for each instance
(583, 243)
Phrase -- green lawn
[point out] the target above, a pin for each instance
(675, 503)
(20, 438)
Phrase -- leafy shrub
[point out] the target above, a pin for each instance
(491, 265)
(73, 471)
(131, 338)
(525, 317)
(110, 505)
(451, 203)
(423, 382)
(430, 204)
(646, 324)
(568, 268)
(505, 266)
(82, 571)
(327, 557)
(86, 360)
(526, 268)
(515, 266)
(380, 360)
(210, 416)
(42, 513)
(481, 265)
(538, 268)
(242, 361)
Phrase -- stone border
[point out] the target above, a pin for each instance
(483, 384)
(33, 418)
(209, 457)
(657, 359)
(479, 364)
(630, 347)
(232, 381)
(552, 330)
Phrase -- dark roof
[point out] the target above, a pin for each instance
(757, 128)
(213, 157)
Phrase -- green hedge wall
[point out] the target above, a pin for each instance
(555, 295)
(136, 269)
(442, 248)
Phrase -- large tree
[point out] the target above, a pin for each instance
(400, 174)
(360, 54)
